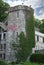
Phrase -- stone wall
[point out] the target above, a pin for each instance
(17, 17)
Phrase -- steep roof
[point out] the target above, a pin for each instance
(39, 33)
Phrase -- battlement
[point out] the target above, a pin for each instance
(21, 7)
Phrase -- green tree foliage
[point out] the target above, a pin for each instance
(37, 58)
(42, 26)
(22, 52)
(37, 23)
(30, 32)
(3, 8)
(3, 63)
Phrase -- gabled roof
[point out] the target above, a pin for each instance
(39, 34)
(2, 25)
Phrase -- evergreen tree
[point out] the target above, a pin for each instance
(22, 52)
(42, 26)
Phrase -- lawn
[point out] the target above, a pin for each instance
(29, 63)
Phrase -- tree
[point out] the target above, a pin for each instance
(3, 8)
(22, 48)
(23, 51)
(3, 63)
(42, 26)
(37, 23)
(30, 33)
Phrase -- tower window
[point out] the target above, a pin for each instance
(17, 13)
(17, 34)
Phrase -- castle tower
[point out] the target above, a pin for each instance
(17, 23)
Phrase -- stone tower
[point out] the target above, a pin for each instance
(16, 23)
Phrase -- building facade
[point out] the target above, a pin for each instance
(11, 28)
(3, 40)
(39, 46)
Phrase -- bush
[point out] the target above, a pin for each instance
(29, 63)
(3, 63)
(39, 58)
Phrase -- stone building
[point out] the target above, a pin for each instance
(16, 24)
(11, 28)
(39, 46)
(3, 40)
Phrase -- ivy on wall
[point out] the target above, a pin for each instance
(30, 31)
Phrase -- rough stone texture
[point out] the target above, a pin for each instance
(17, 16)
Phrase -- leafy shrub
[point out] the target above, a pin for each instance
(39, 58)
(29, 63)
(3, 63)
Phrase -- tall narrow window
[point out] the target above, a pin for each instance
(17, 34)
(43, 40)
(17, 13)
(37, 38)
(1, 47)
(4, 46)
(4, 36)
(0, 29)
(0, 36)
(4, 56)
(0, 56)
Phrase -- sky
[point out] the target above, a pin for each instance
(37, 5)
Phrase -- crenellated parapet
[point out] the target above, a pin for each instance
(21, 7)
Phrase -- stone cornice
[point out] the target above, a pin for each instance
(21, 7)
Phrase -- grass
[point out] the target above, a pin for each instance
(29, 63)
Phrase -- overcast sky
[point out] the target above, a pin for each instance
(38, 6)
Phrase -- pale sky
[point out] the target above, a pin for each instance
(37, 5)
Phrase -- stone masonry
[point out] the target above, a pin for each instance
(16, 24)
